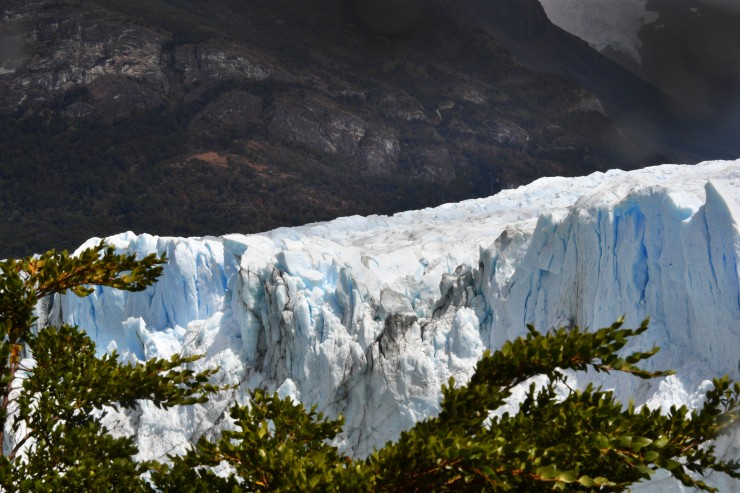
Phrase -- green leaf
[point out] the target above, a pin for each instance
(567, 476)
(638, 443)
(547, 472)
(586, 481)
(651, 456)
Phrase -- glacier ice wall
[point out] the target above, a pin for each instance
(629, 248)
(369, 316)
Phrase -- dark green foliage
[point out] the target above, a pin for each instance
(277, 446)
(584, 441)
(59, 403)
(24, 282)
(62, 403)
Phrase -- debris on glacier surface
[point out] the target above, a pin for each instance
(370, 316)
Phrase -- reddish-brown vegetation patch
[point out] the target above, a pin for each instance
(212, 158)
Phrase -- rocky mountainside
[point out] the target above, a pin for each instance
(180, 117)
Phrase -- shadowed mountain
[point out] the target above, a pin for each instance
(689, 50)
(183, 117)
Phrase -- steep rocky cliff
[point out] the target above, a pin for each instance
(179, 117)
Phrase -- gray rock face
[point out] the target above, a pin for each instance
(235, 109)
(119, 64)
(18, 10)
(204, 63)
(319, 125)
(379, 150)
(587, 104)
(508, 133)
(122, 66)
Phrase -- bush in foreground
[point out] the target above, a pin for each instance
(54, 439)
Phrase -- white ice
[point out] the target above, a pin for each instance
(369, 316)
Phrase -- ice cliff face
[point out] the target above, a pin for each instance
(369, 316)
(635, 247)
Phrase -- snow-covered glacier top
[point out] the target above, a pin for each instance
(369, 316)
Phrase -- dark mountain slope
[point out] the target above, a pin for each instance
(693, 52)
(666, 119)
(191, 118)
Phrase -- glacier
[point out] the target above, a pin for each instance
(369, 316)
